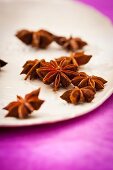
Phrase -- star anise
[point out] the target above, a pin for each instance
(70, 44)
(57, 74)
(38, 39)
(77, 58)
(42, 39)
(24, 106)
(60, 40)
(2, 63)
(29, 68)
(82, 80)
(79, 95)
(25, 36)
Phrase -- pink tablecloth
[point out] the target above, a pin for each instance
(85, 143)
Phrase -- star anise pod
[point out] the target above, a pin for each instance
(57, 74)
(42, 39)
(29, 68)
(2, 63)
(25, 36)
(82, 80)
(38, 39)
(70, 44)
(60, 40)
(77, 58)
(24, 106)
(79, 95)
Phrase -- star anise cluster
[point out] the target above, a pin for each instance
(85, 88)
(62, 72)
(23, 107)
(43, 38)
(75, 59)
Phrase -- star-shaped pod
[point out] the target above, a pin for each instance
(76, 58)
(38, 39)
(79, 95)
(42, 39)
(70, 44)
(24, 106)
(57, 74)
(82, 80)
(25, 36)
(29, 68)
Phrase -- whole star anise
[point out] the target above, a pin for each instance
(57, 74)
(29, 68)
(70, 44)
(79, 95)
(2, 63)
(24, 106)
(38, 39)
(42, 39)
(82, 80)
(77, 58)
(25, 36)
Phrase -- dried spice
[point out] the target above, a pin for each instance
(25, 36)
(82, 80)
(38, 39)
(79, 95)
(57, 74)
(2, 63)
(76, 58)
(42, 39)
(29, 68)
(24, 106)
(70, 44)
(60, 40)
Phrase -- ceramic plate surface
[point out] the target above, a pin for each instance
(60, 17)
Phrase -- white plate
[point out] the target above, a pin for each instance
(60, 17)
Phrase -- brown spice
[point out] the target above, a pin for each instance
(82, 80)
(70, 44)
(2, 63)
(25, 36)
(29, 68)
(24, 106)
(57, 74)
(80, 58)
(38, 39)
(76, 58)
(79, 95)
(42, 39)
